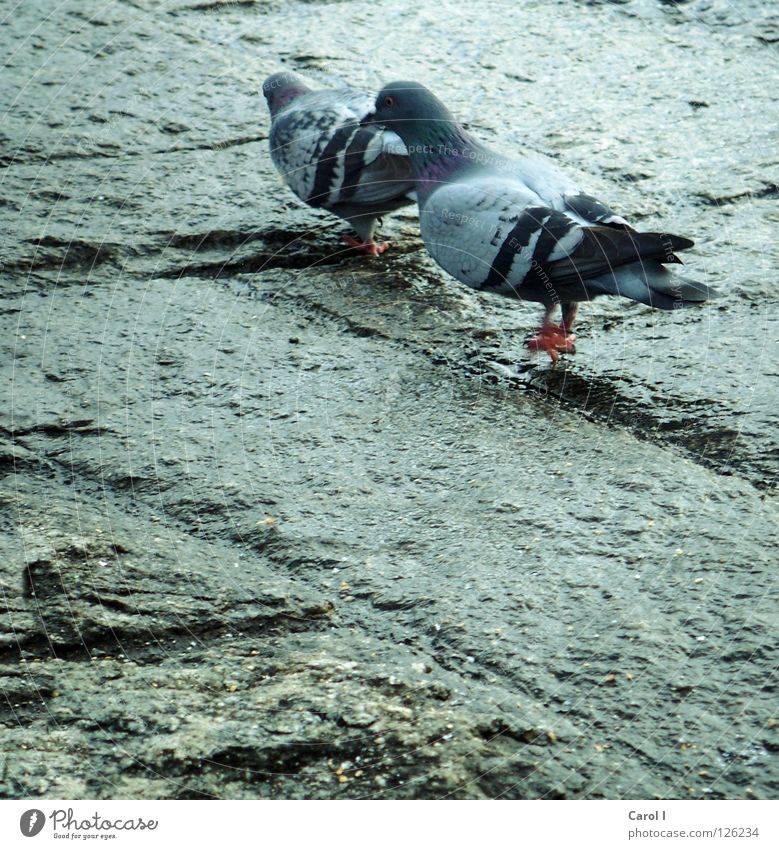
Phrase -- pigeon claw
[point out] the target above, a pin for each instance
(554, 339)
(371, 248)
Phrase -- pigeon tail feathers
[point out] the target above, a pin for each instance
(649, 282)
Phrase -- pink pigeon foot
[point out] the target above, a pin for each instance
(553, 338)
(371, 248)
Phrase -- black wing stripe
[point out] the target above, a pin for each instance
(328, 162)
(556, 228)
(519, 237)
(354, 162)
(594, 211)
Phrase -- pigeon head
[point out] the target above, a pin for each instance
(438, 146)
(413, 112)
(281, 89)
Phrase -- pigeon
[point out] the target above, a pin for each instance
(521, 228)
(331, 161)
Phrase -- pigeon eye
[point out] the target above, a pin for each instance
(389, 100)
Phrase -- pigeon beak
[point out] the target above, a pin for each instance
(369, 119)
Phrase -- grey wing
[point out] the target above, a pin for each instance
(297, 141)
(502, 238)
(561, 259)
(588, 210)
(562, 194)
(376, 168)
(524, 229)
(327, 158)
(484, 232)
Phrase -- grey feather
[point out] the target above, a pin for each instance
(329, 159)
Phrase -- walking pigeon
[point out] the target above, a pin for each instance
(331, 161)
(522, 229)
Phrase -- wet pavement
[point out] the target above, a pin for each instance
(280, 521)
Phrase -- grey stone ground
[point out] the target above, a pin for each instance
(284, 522)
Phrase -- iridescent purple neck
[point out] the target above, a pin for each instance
(438, 150)
(279, 99)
